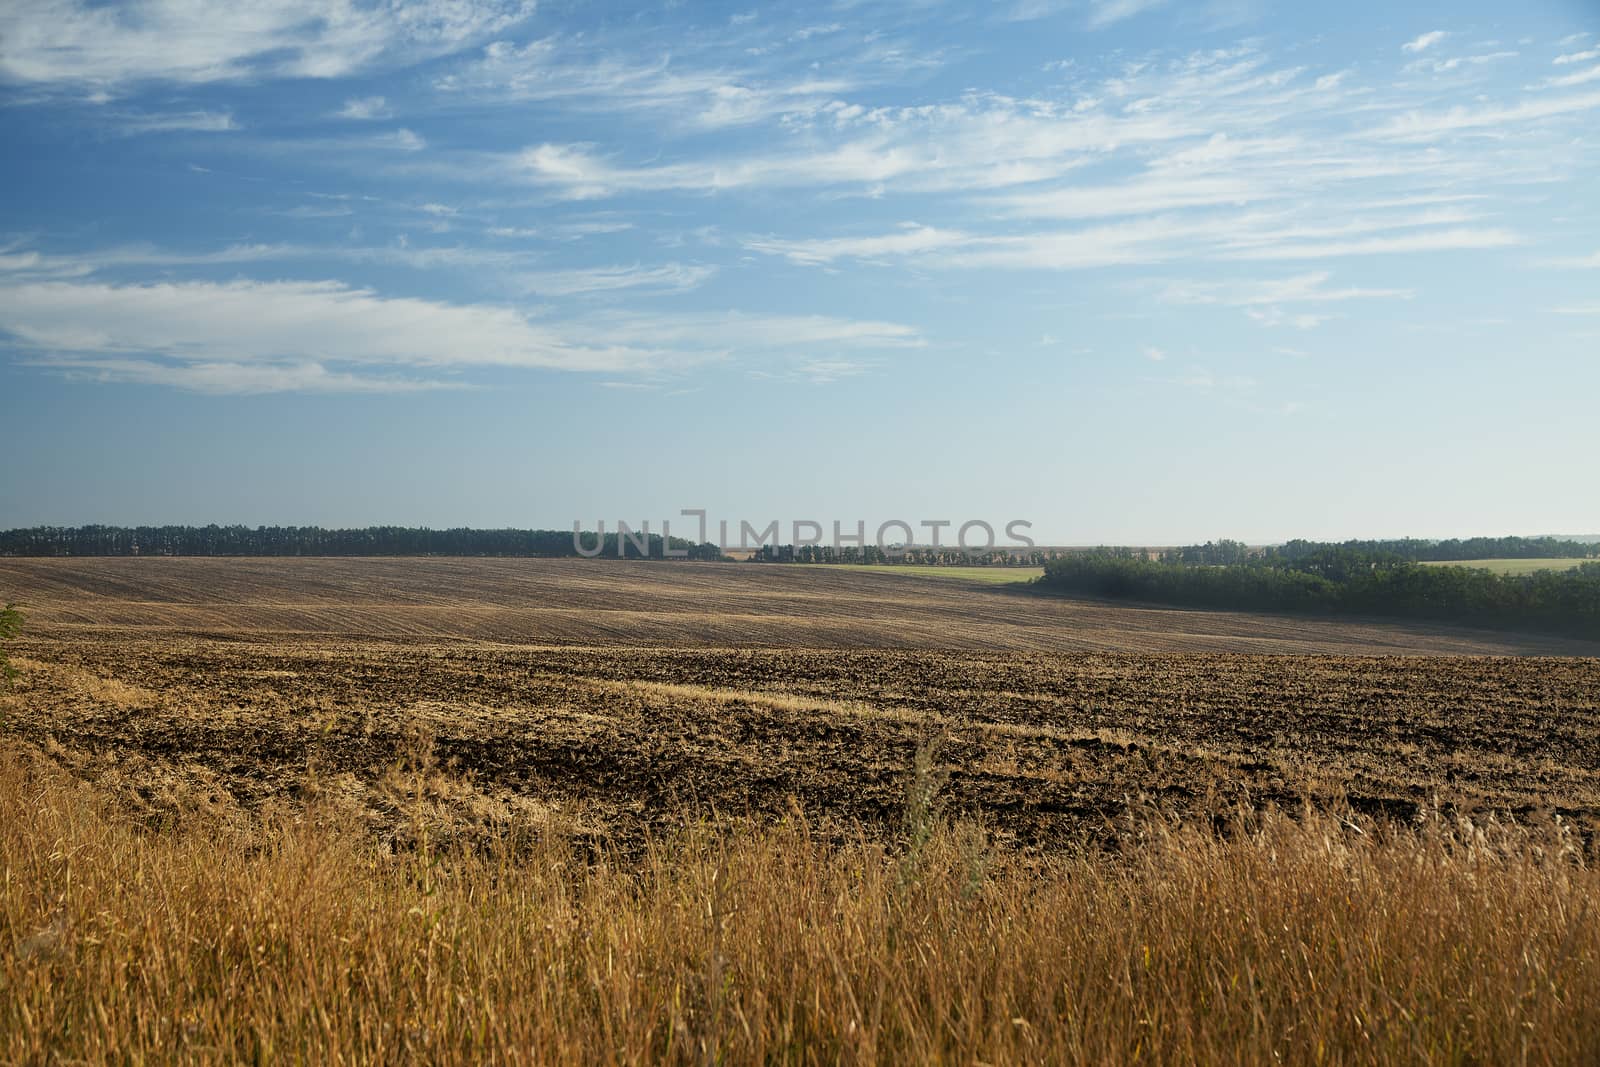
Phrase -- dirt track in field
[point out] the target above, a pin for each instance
(598, 696)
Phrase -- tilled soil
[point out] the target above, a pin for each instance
(617, 743)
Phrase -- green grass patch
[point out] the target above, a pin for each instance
(1512, 566)
(992, 575)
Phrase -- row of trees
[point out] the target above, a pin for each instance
(1225, 553)
(934, 557)
(1452, 550)
(1339, 579)
(318, 541)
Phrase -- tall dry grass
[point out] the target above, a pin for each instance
(294, 938)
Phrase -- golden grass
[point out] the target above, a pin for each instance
(293, 936)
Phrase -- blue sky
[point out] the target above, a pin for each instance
(1133, 271)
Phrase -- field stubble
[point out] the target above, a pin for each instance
(234, 837)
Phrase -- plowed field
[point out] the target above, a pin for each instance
(581, 602)
(624, 698)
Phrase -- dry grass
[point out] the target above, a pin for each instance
(292, 936)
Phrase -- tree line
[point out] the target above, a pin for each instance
(924, 556)
(320, 541)
(1342, 579)
(1225, 553)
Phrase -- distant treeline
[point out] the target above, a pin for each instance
(1224, 553)
(1342, 579)
(1212, 553)
(924, 556)
(317, 541)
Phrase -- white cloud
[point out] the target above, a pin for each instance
(406, 254)
(1164, 238)
(739, 330)
(403, 139)
(812, 371)
(564, 72)
(1577, 57)
(1301, 288)
(1567, 81)
(82, 44)
(1029, 10)
(1428, 125)
(980, 143)
(828, 371)
(1274, 316)
(1423, 241)
(245, 378)
(266, 336)
(1154, 354)
(1106, 12)
(363, 108)
(1223, 99)
(1424, 42)
(910, 240)
(1576, 262)
(577, 173)
(1455, 63)
(1141, 196)
(178, 122)
(247, 321)
(1577, 309)
(1219, 128)
(1262, 302)
(669, 277)
(37, 265)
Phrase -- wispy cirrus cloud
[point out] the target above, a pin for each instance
(73, 43)
(176, 122)
(1209, 130)
(1430, 240)
(1104, 13)
(1567, 81)
(1575, 262)
(1146, 163)
(243, 378)
(814, 371)
(365, 108)
(253, 336)
(666, 277)
(1156, 240)
(554, 71)
(248, 321)
(1457, 63)
(1430, 125)
(1099, 13)
(19, 261)
(404, 139)
(1142, 196)
(1300, 288)
(1424, 41)
(910, 239)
